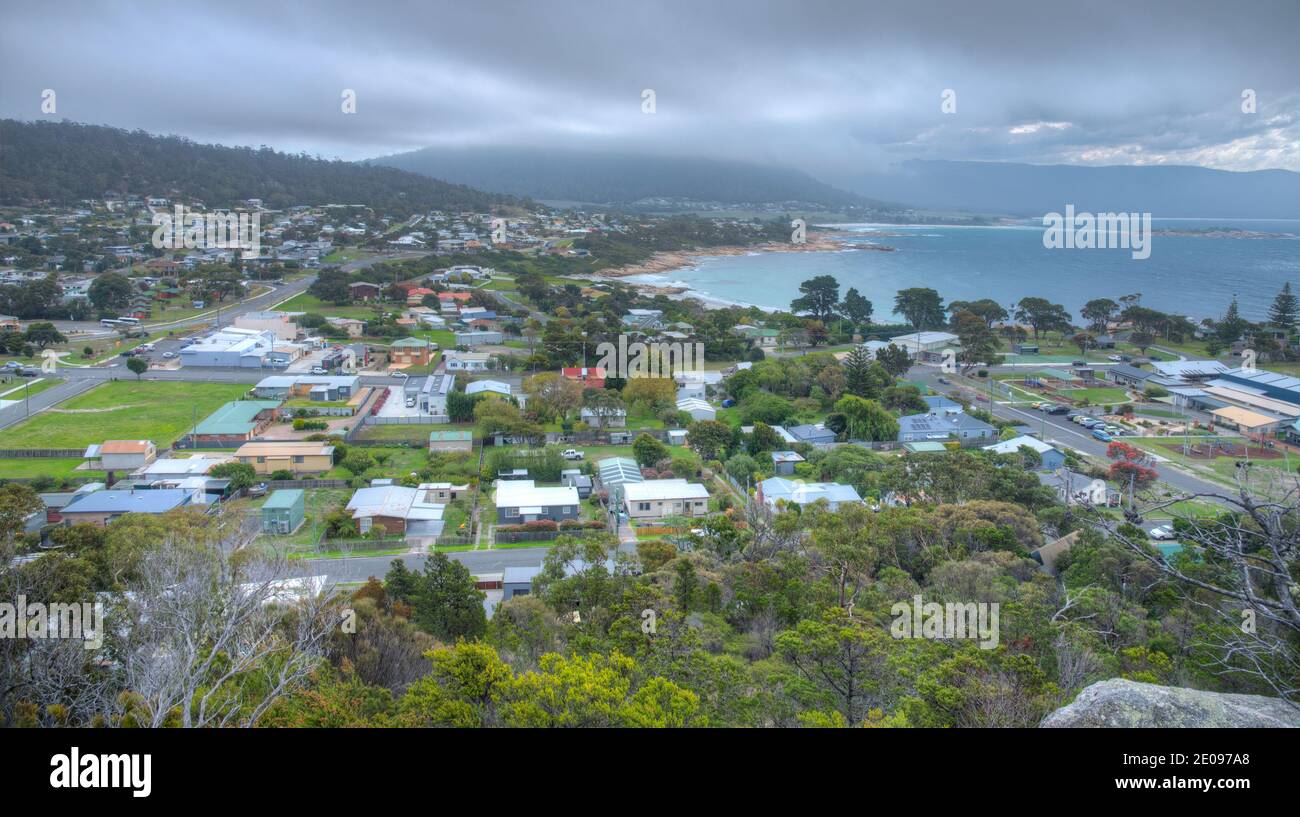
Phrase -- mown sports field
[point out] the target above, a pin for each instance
(122, 410)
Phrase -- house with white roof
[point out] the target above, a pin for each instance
(657, 498)
(521, 500)
(466, 361)
(927, 347)
(489, 387)
(400, 511)
(1052, 458)
(778, 489)
(697, 408)
(172, 468)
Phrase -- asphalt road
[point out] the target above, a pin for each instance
(1058, 429)
(479, 562)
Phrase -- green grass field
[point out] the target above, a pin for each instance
(123, 410)
(56, 467)
(1098, 396)
(304, 302)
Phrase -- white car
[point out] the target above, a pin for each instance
(169, 354)
(1115, 358)
(1162, 532)
(318, 370)
(400, 375)
(572, 454)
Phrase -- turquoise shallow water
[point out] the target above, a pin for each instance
(1190, 275)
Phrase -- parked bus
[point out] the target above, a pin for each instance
(129, 321)
(111, 323)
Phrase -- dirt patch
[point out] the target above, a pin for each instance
(1210, 451)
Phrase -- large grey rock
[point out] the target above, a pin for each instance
(1128, 704)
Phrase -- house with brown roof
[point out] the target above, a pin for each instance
(299, 457)
(363, 291)
(121, 455)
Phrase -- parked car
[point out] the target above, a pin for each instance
(1101, 435)
(410, 402)
(572, 454)
(169, 354)
(13, 364)
(1078, 363)
(1162, 532)
(1113, 430)
(1114, 358)
(400, 375)
(259, 489)
(27, 371)
(318, 370)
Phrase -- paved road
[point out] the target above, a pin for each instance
(479, 562)
(1057, 429)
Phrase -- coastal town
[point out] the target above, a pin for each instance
(460, 369)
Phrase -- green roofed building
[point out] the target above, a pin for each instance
(235, 422)
(451, 441)
(283, 511)
(925, 447)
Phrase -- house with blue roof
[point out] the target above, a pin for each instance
(103, 507)
(939, 427)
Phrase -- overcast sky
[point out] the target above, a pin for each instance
(828, 87)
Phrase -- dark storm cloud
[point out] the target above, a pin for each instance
(826, 86)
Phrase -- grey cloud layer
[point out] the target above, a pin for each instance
(830, 87)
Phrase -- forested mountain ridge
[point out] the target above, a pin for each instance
(620, 178)
(65, 162)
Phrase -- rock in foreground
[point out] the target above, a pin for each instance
(1120, 704)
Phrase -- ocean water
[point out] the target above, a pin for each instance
(1191, 275)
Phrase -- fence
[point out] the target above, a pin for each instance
(354, 545)
(516, 537)
(611, 437)
(419, 420)
(276, 484)
(35, 453)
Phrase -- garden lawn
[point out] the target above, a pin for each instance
(123, 410)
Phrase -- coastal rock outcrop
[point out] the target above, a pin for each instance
(1122, 704)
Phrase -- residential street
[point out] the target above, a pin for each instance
(1057, 429)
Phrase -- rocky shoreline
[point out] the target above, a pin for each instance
(668, 261)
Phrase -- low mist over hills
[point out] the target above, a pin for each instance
(64, 162)
(1165, 191)
(619, 178)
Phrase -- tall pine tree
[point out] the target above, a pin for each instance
(1284, 310)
